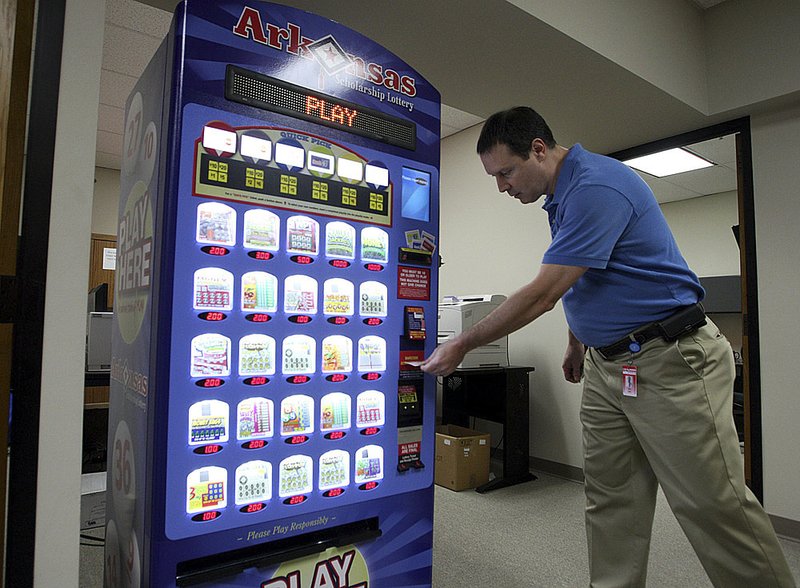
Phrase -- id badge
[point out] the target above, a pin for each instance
(630, 385)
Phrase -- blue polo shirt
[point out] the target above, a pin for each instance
(604, 217)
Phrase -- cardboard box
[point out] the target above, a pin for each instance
(462, 457)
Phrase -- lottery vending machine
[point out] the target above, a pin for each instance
(275, 289)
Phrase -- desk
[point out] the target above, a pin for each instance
(95, 389)
(95, 421)
(495, 394)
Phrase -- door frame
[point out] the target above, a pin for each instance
(32, 281)
(16, 39)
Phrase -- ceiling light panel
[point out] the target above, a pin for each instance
(669, 162)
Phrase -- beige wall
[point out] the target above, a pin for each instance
(106, 201)
(660, 41)
(753, 52)
(702, 228)
(776, 151)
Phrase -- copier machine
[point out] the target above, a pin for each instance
(459, 313)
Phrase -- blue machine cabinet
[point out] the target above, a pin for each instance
(277, 272)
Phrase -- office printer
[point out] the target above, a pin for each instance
(98, 341)
(459, 313)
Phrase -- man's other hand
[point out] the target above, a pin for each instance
(573, 363)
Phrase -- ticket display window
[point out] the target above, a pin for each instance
(302, 235)
(216, 224)
(259, 292)
(206, 489)
(211, 354)
(370, 409)
(369, 464)
(296, 476)
(300, 294)
(340, 240)
(262, 230)
(208, 422)
(213, 289)
(299, 353)
(253, 482)
(297, 415)
(374, 245)
(256, 355)
(373, 298)
(338, 296)
(371, 354)
(334, 412)
(254, 419)
(334, 469)
(337, 354)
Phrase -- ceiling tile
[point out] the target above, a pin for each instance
(107, 160)
(665, 191)
(109, 143)
(127, 52)
(111, 119)
(115, 87)
(458, 118)
(709, 180)
(721, 150)
(138, 17)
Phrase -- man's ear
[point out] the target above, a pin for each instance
(538, 149)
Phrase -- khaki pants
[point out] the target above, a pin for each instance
(678, 432)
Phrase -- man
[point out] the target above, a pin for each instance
(657, 395)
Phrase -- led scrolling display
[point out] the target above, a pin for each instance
(268, 93)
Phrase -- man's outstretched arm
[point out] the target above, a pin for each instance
(522, 307)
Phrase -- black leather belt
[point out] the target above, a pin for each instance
(682, 322)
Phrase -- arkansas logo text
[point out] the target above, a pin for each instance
(291, 40)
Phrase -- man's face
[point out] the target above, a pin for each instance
(523, 179)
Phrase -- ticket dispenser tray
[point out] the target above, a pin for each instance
(232, 563)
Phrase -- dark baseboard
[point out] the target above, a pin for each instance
(786, 528)
(572, 473)
(554, 468)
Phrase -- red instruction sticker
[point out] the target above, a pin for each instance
(413, 283)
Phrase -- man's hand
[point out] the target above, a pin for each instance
(444, 359)
(573, 362)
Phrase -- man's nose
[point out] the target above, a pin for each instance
(502, 184)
